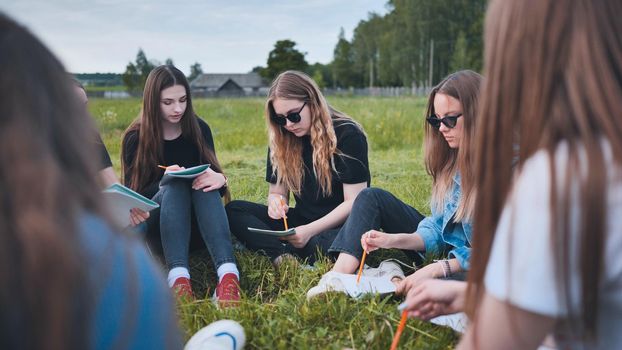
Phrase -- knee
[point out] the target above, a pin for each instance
(369, 196)
(176, 186)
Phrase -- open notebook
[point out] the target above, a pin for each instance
(285, 233)
(346, 283)
(189, 173)
(120, 199)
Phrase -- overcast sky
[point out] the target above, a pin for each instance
(225, 36)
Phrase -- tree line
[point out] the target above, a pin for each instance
(416, 43)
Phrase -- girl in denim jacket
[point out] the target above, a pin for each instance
(449, 131)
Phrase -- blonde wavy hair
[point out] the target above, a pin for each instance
(286, 148)
(442, 162)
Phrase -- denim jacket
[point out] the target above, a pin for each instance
(440, 233)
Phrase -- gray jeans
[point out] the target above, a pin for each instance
(179, 203)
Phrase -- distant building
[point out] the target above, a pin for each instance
(229, 85)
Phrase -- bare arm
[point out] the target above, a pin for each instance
(503, 326)
(333, 219)
(374, 239)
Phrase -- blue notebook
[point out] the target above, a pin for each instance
(120, 199)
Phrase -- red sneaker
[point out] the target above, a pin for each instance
(228, 290)
(182, 288)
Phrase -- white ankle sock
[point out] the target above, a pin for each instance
(227, 268)
(175, 273)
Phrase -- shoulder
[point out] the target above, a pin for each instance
(125, 278)
(350, 136)
(347, 128)
(202, 124)
(131, 137)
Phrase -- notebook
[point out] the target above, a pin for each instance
(120, 199)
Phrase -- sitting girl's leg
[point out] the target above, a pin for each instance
(243, 214)
(175, 217)
(214, 228)
(373, 209)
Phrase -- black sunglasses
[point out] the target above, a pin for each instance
(449, 121)
(280, 119)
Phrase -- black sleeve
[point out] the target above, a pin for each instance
(129, 147)
(104, 156)
(271, 178)
(352, 164)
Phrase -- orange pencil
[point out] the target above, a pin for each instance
(358, 277)
(400, 329)
(284, 217)
(162, 167)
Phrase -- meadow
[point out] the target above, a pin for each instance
(274, 311)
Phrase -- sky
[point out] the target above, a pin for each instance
(224, 36)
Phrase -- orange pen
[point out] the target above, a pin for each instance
(358, 277)
(284, 217)
(162, 167)
(400, 329)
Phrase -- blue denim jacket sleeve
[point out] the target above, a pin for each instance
(463, 255)
(430, 230)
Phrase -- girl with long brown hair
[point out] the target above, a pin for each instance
(547, 251)
(69, 279)
(168, 131)
(318, 154)
(450, 124)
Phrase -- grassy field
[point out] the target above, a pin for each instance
(274, 310)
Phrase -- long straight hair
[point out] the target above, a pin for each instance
(441, 161)
(47, 183)
(552, 77)
(286, 148)
(150, 150)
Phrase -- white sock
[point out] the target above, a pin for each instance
(177, 272)
(227, 268)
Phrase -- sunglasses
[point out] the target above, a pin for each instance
(281, 120)
(449, 121)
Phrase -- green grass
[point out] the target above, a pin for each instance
(274, 311)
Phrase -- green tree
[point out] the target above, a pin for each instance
(136, 73)
(459, 59)
(284, 57)
(169, 61)
(195, 71)
(343, 63)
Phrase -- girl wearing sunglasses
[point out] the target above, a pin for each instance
(316, 153)
(168, 132)
(449, 128)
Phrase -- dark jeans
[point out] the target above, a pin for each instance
(375, 209)
(243, 214)
(181, 209)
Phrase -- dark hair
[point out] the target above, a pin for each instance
(47, 181)
(150, 151)
(551, 76)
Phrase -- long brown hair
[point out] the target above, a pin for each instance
(150, 150)
(552, 76)
(286, 148)
(441, 161)
(47, 182)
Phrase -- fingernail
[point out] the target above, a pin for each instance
(402, 306)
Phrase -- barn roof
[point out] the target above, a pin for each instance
(216, 80)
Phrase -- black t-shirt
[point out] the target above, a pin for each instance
(352, 168)
(104, 156)
(180, 151)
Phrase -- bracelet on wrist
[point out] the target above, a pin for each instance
(445, 266)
